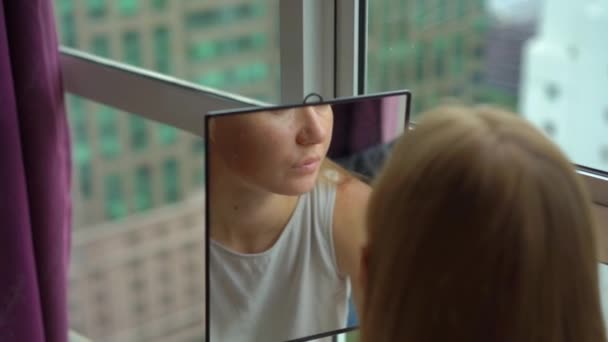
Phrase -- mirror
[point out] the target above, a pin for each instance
(282, 189)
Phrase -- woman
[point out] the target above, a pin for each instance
(286, 227)
(479, 230)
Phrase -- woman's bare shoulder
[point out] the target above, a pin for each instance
(349, 224)
(352, 194)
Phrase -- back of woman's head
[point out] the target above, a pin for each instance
(479, 230)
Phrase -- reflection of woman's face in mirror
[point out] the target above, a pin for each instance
(279, 151)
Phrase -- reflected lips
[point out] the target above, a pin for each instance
(308, 165)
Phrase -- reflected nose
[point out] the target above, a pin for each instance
(313, 130)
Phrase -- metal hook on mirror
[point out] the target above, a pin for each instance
(311, 95)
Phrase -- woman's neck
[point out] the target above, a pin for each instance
(245, 219)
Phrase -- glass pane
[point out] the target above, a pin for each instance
(114, 197)
(127, 282)
(521, 55)
(128, 7)
(199, 41)
(139, 134)
(143, 188)
(167, 134)
(171, 179)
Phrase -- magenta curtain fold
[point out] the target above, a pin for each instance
(35, 176)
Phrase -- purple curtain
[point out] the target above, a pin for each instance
(35, 164)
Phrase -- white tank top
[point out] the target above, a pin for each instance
(289, 291)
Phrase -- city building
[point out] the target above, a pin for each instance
(124, 163)
(137, 266)
(142, 279)
(566, 76)
(464, 49)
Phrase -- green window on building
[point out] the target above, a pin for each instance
(96, 8)
(203, 51)
(167, 134)
(204, 19)
(215, 79)
(139, 134)
(442, 11)
(440, 56)
(457, 58)
(258, 41)
(259, 71)
(85, 174)
(131, 48)
(420, 60)
(159, 4)
(101, 46)
(461, 8)
(109, 139)
(128, 7)
(77, 118)
(171, 180)
(162, 49)
(230, 47)
(420, 13)
(115, 205)
(68, 26)
(143, 188)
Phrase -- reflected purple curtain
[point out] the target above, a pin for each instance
(357, 126)
(35, 164)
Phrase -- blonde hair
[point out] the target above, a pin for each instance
(480, 230)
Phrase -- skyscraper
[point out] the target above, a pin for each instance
(137, 268)
(444, 48)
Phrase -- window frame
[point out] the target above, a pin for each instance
(323, 49)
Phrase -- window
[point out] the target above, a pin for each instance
(457, 59)
(420, 61)
(147, 34)
(167, 135)
(125, 164)
(67, 25)
(96, 8)
(86, 179)
(171, 180)
(461, 8)
(159, 4)
(206, 50)
(139, 134)
(442, 11)
(101, 46)
(479, 48)
(131, 48)
(128, 7)
(143, 188)
(115, 203)
(203, 50)
(213, 78)
(162, 47)
(203, 19)
(440, 54)
(109, 139)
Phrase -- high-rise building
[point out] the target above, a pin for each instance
(566, 77)
(137, 268)
(446, 48)
(126, 164)
(142, 279)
